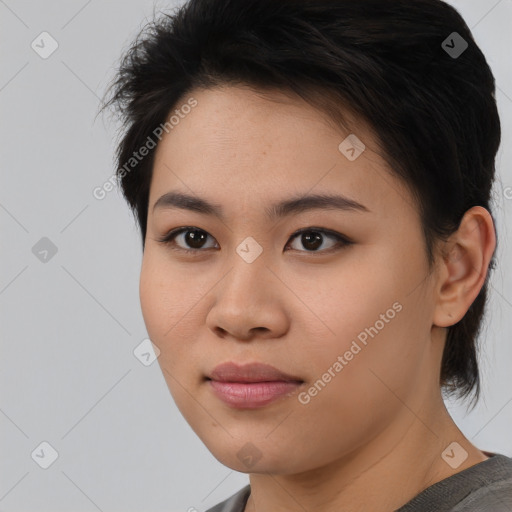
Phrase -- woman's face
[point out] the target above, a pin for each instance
(350, 323)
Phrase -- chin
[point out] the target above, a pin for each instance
(252, 457)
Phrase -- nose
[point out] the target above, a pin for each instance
(249, 302)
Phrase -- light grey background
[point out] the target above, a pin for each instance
(70, 325)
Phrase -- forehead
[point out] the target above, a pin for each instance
(244, 147)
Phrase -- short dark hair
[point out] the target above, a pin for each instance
(433, 111)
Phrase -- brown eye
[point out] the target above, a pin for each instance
(312, 239)
(193, 239)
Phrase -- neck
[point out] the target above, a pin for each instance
(380, 476)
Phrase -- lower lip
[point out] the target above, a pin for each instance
(250, 395)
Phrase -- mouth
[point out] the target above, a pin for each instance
(252, 385)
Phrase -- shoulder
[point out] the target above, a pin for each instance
(495, 490)
(235, 503)
(484, 487)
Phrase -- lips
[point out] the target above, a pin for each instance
(253, 372)
(251, 386)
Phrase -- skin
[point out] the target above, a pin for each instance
(372, 439)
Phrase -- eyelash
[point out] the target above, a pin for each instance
(169, 239)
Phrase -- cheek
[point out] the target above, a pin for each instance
(173, 310)
(163, 303)
(378, 321)
(357, 387)
(153, 295)
(168, 313)
(165, 296)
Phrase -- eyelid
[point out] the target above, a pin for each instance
(342, 240)
(169, 238)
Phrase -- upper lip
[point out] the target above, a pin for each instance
(252, 372)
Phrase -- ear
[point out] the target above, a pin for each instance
(463, 266)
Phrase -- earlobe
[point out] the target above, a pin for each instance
(464, 265)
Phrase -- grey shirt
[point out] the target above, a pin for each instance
(484, 487)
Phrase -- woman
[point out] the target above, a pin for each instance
(312, 182)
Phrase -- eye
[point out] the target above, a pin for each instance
(312, 238)
(193, 236)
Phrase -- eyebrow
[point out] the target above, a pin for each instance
(284, 208)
